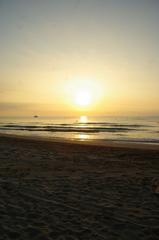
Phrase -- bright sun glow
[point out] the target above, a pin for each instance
(83, 119)
(83, 93)
(83, 98)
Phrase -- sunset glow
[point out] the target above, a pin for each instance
(83, 98)
(61, 59)
(83, 119)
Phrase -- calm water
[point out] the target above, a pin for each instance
(133, 129)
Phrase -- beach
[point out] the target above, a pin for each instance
(76, 190)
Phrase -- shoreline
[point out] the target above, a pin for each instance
(96, 143)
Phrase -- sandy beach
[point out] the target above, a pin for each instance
(77, 191)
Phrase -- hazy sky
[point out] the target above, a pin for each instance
(49, 49)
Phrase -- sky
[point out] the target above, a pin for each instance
(55, 53)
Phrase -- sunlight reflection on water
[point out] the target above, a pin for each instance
(83, 137)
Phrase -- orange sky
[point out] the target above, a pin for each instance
(51, 52)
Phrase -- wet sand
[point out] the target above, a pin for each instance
(81, 191)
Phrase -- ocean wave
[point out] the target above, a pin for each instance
(115, 124)
(67, 129)
(135, 140)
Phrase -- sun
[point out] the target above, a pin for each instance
(83, 98)
(83, 119)
(83, 93)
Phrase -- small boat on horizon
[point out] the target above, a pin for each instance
(36, 116)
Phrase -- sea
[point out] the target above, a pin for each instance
(83, 128)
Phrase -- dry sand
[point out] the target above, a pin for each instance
(64, 190)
